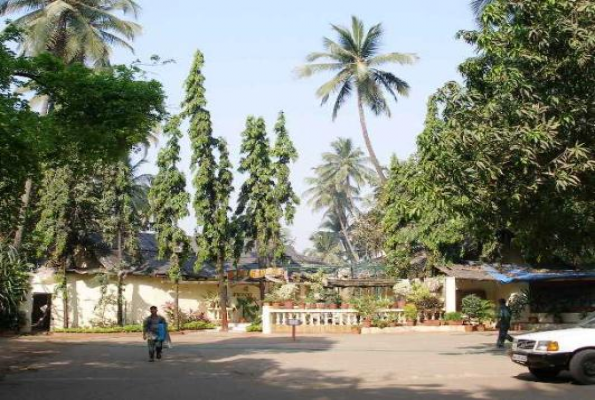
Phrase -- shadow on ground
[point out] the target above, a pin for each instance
(227, 368)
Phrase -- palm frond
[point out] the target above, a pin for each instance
(395, 58)
(371, 43)
(342, 96)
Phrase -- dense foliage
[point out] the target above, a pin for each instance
(14, 285)
(505, 165)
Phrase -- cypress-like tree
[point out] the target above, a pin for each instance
(285, 199)
(256, 202)
(169, 204)
(212, 183)
(120, 223)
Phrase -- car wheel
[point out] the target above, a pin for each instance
(582, 367)
(545, 373)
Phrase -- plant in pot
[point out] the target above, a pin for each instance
(471, 308)
(411, 314)
(287, 294)
(426, 301)
(518, 303)
(402, 289)
(453, 318)
(272, 299)
(332, 299)
(310, 301)
(367, 307)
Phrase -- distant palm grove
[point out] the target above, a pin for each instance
(504, 169)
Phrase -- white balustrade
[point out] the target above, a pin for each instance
(272, 317)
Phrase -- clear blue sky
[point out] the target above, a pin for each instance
(252, 47)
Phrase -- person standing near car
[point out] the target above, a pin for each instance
(155, 333)
(504, 317)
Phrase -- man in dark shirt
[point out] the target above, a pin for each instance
(154, 334)
(504, 317)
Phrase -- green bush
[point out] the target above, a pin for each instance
(410, 312)
(478, 310)
(254, 328)
(198, 325)
(380, 323)
(14, 285)
(453, 316)
(112, 329)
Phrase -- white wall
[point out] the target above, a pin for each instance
(140, 292)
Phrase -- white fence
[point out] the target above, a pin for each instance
(275, 318)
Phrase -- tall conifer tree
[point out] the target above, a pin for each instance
(212, 183)
(169, 204)
(256, 202)
(284, 198)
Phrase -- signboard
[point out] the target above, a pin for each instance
(294, 322)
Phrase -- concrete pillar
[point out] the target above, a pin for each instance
(266, 320)
(450, 294)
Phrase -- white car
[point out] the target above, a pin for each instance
(546, 354)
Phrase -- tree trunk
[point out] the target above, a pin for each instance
(373, 158)
(177, 304)
(120, 314)
(26, 197)
(345, 235)
(222, 295)
(65, 298)
(25, 200)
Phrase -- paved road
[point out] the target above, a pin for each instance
(241, 367)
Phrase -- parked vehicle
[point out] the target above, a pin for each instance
(546, 354)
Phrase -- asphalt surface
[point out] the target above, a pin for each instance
(245, 367)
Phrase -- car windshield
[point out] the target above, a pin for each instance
(588, 322)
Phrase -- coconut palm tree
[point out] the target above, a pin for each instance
(356, 60)
(336, 187)
(74, 30)
(478, 6)
(326, 247)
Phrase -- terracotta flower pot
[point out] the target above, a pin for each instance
(310, 306)
(481, 328)
(400, 304)
(320, 305)
(432, 322)
(345, 306)
(410, 323)
(367, 323)
(276, 305)
(469, 328)
(455, 323)
(302, 305)
(356, 329)
(332, 306)
(288, 305)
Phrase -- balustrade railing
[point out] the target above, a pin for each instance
(275, 317)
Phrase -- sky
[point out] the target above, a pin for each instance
(252, 48)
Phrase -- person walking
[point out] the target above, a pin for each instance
(155, 333)
(504, 317)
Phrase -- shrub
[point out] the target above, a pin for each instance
(453, 316)
(380, 323)
(411, 312)
(14, 285)
(477, 310)
(198, 325)
(402, 289)
(112, 329)
(255, 326)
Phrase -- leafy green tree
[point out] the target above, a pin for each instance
(120, 222)
(509, 155)
(284, 197)
(74, 30)
(68, 218)
(212, 183)
(357, 62)
(169, 204)
(257, 204)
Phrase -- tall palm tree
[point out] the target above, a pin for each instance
(326, 247)
(74, 30)
(337, 184)
(356, 59)
(478, 6)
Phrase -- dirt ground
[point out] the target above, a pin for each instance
(242, 366)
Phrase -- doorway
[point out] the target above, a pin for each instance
(41, 315)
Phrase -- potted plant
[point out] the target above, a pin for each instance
(453, 318)
(367, 307)
(401, 290)
(272, 299)
(471, 308)
(287, 294)
(411, 314)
